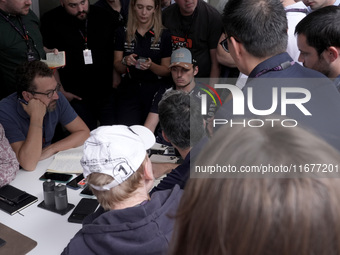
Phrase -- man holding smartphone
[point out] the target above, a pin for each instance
(30, 116)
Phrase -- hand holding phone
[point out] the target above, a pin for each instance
(23, 101)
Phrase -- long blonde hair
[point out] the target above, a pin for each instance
(132, 23)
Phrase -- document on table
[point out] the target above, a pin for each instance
(155, 158)
(67, 161)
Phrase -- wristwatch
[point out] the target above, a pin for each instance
(124, 61)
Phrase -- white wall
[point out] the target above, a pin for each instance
(35, 7)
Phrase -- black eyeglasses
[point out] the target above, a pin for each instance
(224, 43)
(48, 94)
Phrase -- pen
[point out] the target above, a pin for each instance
(6, 200)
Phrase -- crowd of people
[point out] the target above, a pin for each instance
(141, 71)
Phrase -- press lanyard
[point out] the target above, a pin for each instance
(187, 31)
(86, 52)
(23, 34)
(280, 67)
(84, 37)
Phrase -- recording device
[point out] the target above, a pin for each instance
(85, 207)
(86, 192)
(73, 184)
(60, 197)
(55, 177)
(48, 187)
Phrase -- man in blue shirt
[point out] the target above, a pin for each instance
(318, 36)
(30, 116)
(257, 42)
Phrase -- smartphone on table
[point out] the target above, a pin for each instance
(73, 184)
(57, 177)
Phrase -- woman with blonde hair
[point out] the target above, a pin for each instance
(142, 55)
(280, 214)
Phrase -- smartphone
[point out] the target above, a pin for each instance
(73, 184)
(23, 101)
(139, 61)
(85, 207)
(56, 177)
(86, 192)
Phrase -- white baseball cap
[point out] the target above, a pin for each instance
(117, 151)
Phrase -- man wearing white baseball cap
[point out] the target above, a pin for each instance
(119, 173)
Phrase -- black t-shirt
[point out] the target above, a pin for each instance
(199, 32)
(66, 33)
(144, 48)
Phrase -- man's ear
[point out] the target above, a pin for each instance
(237, 46)
(148, 173)
(332, 53)
(26, 95)
(165, 137)
(195, 70)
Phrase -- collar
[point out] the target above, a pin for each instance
(297, 7)
(7, 15)
(150, 33)
(270, 63)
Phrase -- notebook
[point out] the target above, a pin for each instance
(15, 242)
(13, 200)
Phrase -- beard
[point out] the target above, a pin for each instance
(82, 15)
(52, 106)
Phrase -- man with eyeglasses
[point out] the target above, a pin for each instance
(30, 116)
(258, 42)
(318, 36)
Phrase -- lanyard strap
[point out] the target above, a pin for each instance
(22, 33)
(303, 10)
(84, 36)
(280, 67)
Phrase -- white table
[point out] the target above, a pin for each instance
(52, 231)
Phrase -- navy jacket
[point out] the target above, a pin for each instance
(144, 229)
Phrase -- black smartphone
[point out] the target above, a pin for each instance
(73, 184)
(85, 207)
(56, 177)
(86, 192)
(23, 101)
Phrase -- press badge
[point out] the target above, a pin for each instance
(30, 55)
(87, 57)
